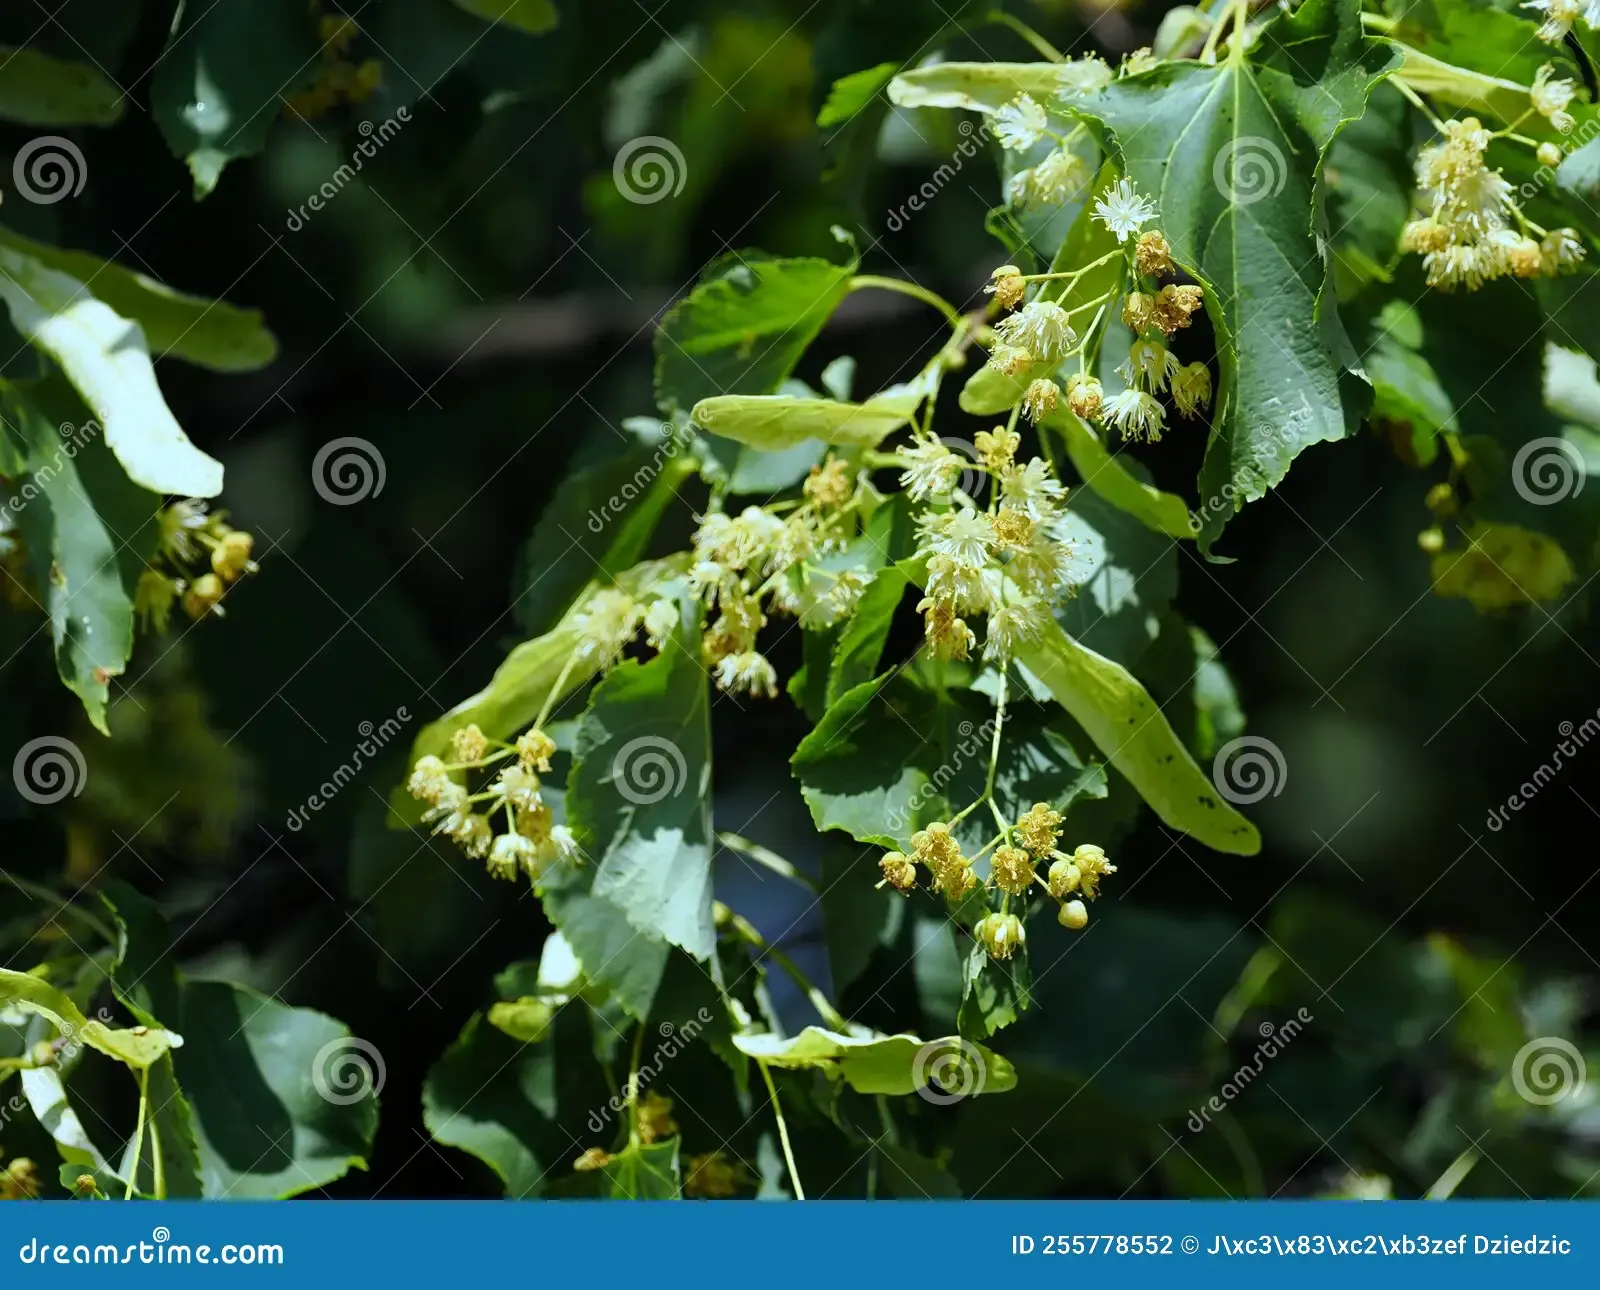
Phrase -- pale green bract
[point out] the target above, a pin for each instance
(106, 358)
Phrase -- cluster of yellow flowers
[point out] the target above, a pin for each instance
(20, 1180)
(1474, 230)
(1041, 333)
(1070, 879)
(532, 841)
(760, 559)
(1008, 563)
(339, 81)
(192, 540)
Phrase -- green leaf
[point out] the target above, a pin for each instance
(526, 1019)
(532, 16)
(855, 658)
(596, 526)
(284, 1099)
(521, 685)
(1231, 154)
(210, 333)
(638, 796)
(613, 952)
(81, 517)
(137, 1049)
(889, 1064)
(1369, 181)
(776, 421)
(644, 1172)
(47, 1099)
(987, 87)
(219, 84)
(743, 329)
(994, 994)
(1125, 723)
(756, 471)
(850, 94)
(892, 755)
(1125, 576)
(1405, 387)
(1102, 471)
(510, 1104)
(1578, 175)
(36, 89)
(105, 357)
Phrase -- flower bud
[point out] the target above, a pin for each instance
(1064, 878)
(897, 871)
(1431, 541)
(204, 595)
(1549, 154)
(1000, 934)
(1007, 286)
(1084, 396)
(231, 556)
(1074, 915)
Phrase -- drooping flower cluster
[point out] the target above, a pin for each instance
(1009, 563)
(757, 561)
(531, 841)
(198, 555)
(1033, 839)
(1474, 230)
(1560, 15)
(1041, 334)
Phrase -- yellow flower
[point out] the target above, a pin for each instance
(899, 872)
(1012, 870)
(996, 447)
(469, 744)
(1152, 256)
(534, 750)
(1039, 828)
(1000, 934)
(1092, 866)
(1007, 286)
